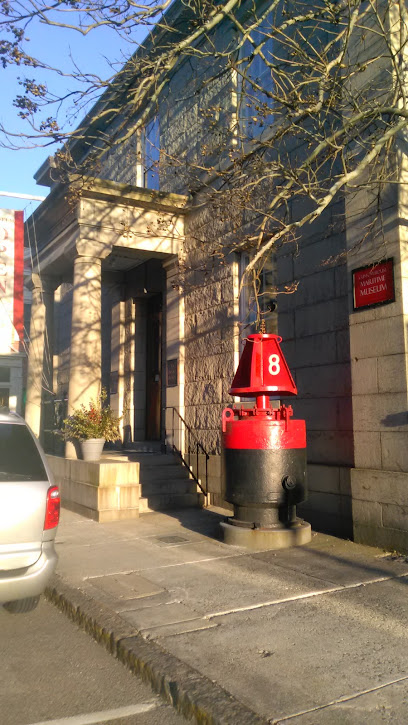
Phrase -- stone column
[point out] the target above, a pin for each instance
(85, 358)
(39, 373)
(85, 354)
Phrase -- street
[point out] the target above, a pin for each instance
(55, 673)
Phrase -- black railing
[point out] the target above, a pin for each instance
(190, 452)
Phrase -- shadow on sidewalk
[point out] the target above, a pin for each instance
(201, 521)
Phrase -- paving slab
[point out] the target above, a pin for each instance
(305, 635)
(299, 655)
(125, 586)
(386, 704)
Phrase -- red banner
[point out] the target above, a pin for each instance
(11, 280)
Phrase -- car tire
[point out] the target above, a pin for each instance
(22, 606)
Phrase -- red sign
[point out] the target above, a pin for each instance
(373, 285)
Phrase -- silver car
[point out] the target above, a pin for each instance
(29, 516)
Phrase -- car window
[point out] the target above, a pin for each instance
(19, 456)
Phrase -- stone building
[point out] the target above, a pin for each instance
(145, 310)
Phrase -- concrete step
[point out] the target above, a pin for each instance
(145, 446)
(152, 460)
(165, 482)
(166, 502)
(165, 473)
(174, 486)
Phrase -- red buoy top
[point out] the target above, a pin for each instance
(262, 369)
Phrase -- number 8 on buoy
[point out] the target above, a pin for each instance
(274, 366)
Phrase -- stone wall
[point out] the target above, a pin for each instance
(378, 343)
(107, 490)
(314, 325)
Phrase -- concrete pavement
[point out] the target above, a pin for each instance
(309, 636)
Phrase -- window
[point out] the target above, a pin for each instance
(4, 375)
(258, 300)
(19, 456)
(151, 154)
(254, 103)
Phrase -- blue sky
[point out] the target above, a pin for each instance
(54, 45)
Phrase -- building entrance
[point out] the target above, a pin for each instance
(153, 367)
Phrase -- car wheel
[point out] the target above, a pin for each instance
(21, 606)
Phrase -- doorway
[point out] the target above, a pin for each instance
(153, 367)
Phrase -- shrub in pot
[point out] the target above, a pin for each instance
(90, 426)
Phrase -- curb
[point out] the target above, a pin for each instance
(192, 694)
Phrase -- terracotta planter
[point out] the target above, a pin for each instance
(90, 450)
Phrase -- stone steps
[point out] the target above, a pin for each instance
(165, 482)
(165, 502)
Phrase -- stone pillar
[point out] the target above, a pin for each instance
(85, 357)
(175, 355)
(39, 372)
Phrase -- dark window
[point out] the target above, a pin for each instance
(19, 456)
(4, 375)
(258, 298)
(152, 154)
(256, 111)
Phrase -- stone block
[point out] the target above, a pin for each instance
(386, 487)
(364, 374)
(119, 473)
(286, 324)
(326, 502)
(284, 267)
(92, 488)
(320, 318)
(324, 479)
(118, 497)
(214, 466)
(343, 345)
(205, 393)
(324, 380)
(345, 480)
(381, 537)
(330, 447)
(316, 350)
(395, 517)
(367, 449)
(215, 318)
(80, 493)
(394, 451)
(314, 257)
(311, 290)
(379, 412)
(342, 282)
(319, 414)
(374, 337)
(172, 328)
(208, 416)
(392, 373)
(367, 513)
(210, 368)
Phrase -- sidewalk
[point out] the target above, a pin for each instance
(315, 635)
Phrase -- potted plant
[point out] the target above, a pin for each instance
(89, 427)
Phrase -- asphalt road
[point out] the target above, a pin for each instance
(52, 672)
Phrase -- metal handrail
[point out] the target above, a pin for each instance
(186, 456)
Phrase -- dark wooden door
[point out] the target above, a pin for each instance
(153, 368)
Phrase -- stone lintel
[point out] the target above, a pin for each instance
(128, 195)
(105, 214)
